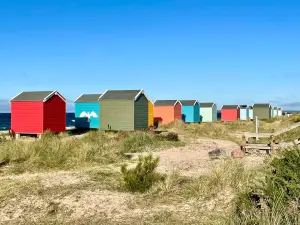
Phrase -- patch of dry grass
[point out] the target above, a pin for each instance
(100, 198)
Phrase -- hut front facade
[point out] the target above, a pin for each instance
(250, 109)
(280, 113)
(190, 111)
(124, 110)
(150, 114)
(275, 112)
(208, 112)
(167, 111)
(230, 113)
(244, 112)
(87, 111)
(38, 111)
(262, 111)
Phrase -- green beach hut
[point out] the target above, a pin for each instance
(262, 111)
(124, 110)
(208, 112)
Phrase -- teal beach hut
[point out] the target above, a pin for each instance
(190, 111)
(244, 112)
(250, 111)
(208, 112)
(87, 111)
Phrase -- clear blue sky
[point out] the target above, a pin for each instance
(230, 52)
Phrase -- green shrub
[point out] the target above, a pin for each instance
(285, 177)
(276, 197)
(143, 176)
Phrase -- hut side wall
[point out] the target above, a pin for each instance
(141, 113)
(214, 113)
(150, 114)
(177, 111)
(55, 114)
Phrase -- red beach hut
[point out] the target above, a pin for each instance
(230, 113)
(38, 111)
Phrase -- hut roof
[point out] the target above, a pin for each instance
(122, 95)
(207, 105)
(262, 105)
(188, 102)
(230, 106)
(244, 106)
(35, 96)
(166, 102)
(88, 98)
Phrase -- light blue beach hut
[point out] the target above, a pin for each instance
(190, 111)
(250, 111)
(280, 112)
(275, 112)
(208, 112)
(87, 111)
(244, 112)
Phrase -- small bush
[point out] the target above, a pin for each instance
(276, 198)
(171, 137)
(285, 177)
(143, 176)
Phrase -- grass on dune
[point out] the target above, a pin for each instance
(289, 136)
(63, 152)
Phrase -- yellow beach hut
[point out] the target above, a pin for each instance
(150, 114)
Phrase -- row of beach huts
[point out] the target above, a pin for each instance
(119, 110)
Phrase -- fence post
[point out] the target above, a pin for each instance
(256, 127)
(244, 142)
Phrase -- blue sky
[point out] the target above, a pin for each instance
(230, 52)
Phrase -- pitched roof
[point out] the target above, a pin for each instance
(207, 105)
(262, 105)
(88, 98)
(244, 106)
(275, 108)
(35, 96)
(165, 102)
(188, 102)
(122, 95)
(250, 107)
(230, 106)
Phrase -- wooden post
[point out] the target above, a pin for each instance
(272, 145)
(18, 136)
(244, 143)
(256, 127)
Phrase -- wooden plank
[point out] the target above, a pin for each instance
(258, 147)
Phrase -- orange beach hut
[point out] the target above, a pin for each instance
(167, 111)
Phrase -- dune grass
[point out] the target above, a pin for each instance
(289, 136)
(66, 152)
